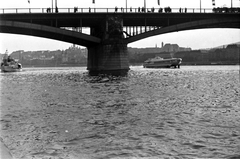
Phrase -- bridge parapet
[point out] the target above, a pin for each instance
(118, 10)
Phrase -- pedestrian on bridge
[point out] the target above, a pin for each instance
(75, 9)
(153, 9)
(167, 10)
(48, 10)
(122, 9)
(160, 10)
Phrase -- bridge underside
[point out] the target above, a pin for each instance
(48, 32)
(201, 24)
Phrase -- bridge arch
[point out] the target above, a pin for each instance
(48, 32)
(201, 24)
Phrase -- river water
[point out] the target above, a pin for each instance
(62, 113)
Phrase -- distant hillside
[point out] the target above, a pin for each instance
(222, 46)
(165, 48)
(71, 56)
(228, 55)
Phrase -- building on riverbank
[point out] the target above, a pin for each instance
(76, 56)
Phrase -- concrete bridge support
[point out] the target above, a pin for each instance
(110, 56)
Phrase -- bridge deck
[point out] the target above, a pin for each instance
(137, 25)
(129, 19)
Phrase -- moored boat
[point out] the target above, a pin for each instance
(8, 64)
(159, 62)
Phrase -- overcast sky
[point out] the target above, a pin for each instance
(204, 38)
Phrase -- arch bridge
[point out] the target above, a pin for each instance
(111, 29)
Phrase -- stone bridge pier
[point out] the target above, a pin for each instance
(110, 56)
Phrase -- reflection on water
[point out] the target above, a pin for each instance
(56, 113)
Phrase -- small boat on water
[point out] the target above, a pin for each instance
(11, 68)
(159, 62)
(8, 64)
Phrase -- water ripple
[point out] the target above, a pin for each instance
(151, 113)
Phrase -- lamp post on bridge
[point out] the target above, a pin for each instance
(56, 8)
(200, 6)
(55, 5)
(126, 5)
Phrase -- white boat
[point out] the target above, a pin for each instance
(11, 68)
(8, 64)
(159, 62)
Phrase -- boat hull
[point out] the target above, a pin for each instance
(163, 63)
(161, 66)
(10, 69)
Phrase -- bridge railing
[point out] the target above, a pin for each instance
(106, 10)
